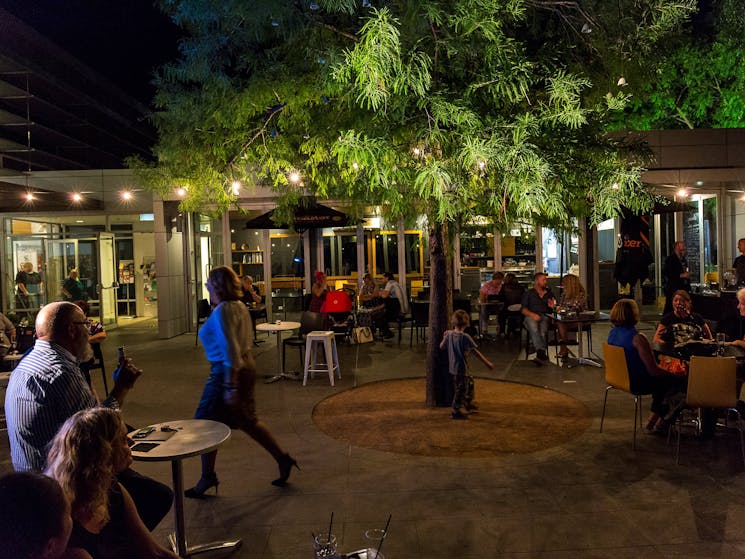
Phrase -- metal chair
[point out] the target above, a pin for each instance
(419, 320)
(712, 383)
(203, 312)
(309, 322)
(617, 376)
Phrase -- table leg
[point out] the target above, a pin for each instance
(179, 538)
(580, 354)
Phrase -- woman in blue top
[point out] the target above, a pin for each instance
(227, 337)
(645, 376)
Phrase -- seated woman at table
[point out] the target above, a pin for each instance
(573, 300)
(679, 326)
(510, 314)
(90, 448)
(318, 291)
(371, 301)
(645, 376)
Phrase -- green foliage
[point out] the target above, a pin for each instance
(449, 107)
(699, 81)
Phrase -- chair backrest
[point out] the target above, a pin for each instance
(306, 301)
(712, 382)
(25, 338)
(616, 369)
(420, 312)
(461, 304)
(203, 309)
(310, 321)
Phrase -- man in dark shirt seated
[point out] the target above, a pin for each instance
(536, 304)
(47, 387)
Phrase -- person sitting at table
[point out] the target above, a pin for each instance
(96, 334)
(573, 300)
(7, 335)
(645, 375)
(680, 326)
(492, 290)
(35, 519)
(87, 453)
(537, 302)
(371, 301)
(393, 297)
(318, 291)
(228, 395)
(510, 317)
(249, 293)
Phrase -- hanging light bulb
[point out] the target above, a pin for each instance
(235, 188)
(181, 192)
(126, 195)
(682, 193)
(29, 197)
(76, 197)
(615, 186)
(294, 177)
(417, 152)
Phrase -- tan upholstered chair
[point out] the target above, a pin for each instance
(617, 376)
(712, 383)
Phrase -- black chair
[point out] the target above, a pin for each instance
(96, 363)
(419, 320)
(309, 322)
(203, 312)
(25, 338)
(257, 314)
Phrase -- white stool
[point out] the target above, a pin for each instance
(331, 362)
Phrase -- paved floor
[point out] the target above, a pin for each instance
(594, 497)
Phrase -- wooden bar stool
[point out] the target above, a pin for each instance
(326, 339)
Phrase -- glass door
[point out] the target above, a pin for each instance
(61, 257)
(107, 284)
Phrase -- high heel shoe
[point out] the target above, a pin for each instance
(204, 483)
(285, 463)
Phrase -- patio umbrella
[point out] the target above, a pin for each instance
(315, 216)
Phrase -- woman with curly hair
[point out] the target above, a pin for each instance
(90, 448)
(228, 395)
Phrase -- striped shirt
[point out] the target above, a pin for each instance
(45, 389)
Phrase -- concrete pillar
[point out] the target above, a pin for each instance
(169, 261)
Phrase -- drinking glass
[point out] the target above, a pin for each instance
(374, 539)
(721, 339)
(324, 546)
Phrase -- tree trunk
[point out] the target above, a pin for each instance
(439, 381)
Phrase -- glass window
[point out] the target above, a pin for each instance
(339, 252)
(386, 252)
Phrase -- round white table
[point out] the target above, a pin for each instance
(173, 441)
(278, 328)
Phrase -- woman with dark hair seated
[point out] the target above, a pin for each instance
(35, 519)
(645, 376)
(89, 450)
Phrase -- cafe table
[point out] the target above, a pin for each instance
(580, 320)
(174, 441)
(277, 328)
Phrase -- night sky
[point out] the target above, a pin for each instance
(122, 39)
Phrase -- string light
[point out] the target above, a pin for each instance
(294, 177)
(682, 193)
(29, 197)
(126, 195)
(355, 166)
(417, 152)
(615, 186)
(180, 192)
(236, 188)
(76, 197)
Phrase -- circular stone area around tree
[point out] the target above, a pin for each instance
(512, 418)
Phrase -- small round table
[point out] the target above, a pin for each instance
(278, 328)
(174, 441)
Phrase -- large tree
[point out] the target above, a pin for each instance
(450, 108)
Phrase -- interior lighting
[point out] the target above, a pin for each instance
(126, 195)
(699, 183)
(236, 188)
(742, 197)
(682, 193)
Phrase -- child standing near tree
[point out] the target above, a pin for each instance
(460, 345)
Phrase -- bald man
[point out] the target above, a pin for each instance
(47, 387)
